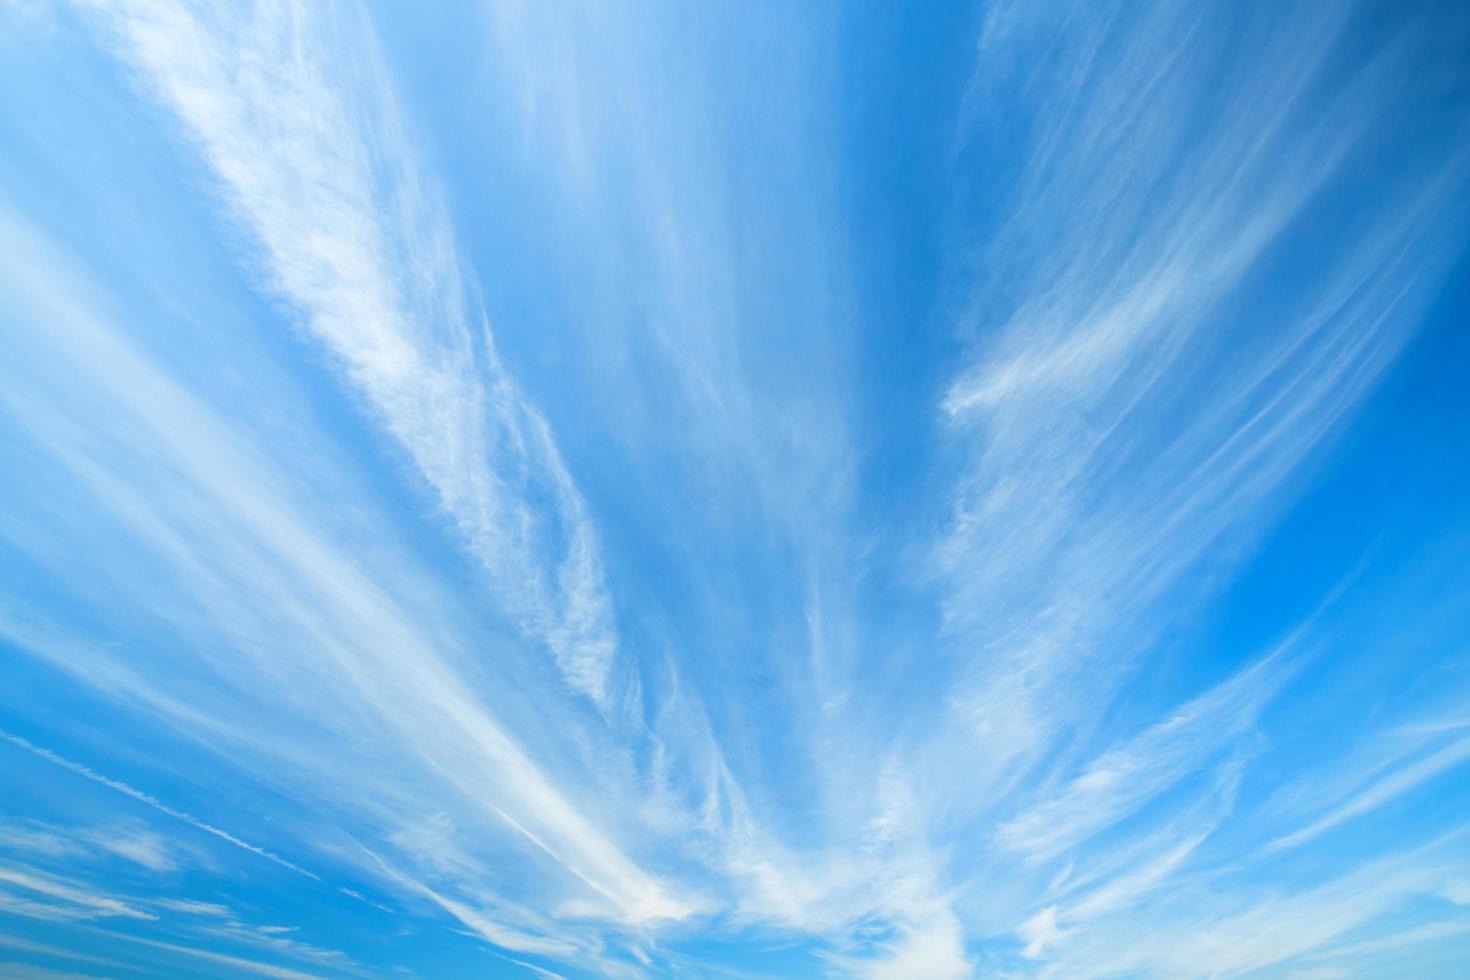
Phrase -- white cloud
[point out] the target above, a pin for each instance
(135, 844)
(311, 155)
(190, 907)
(1221, 927)
(1402, 780)
(40, 839)
(147, 800)
(207, 956)
(246, 536)
(1133, 772)
(1039, 932)
(1137, 407)
(27, 971)
(81, 902)
(1131, 418)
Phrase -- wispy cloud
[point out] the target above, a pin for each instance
(353, 642)
(910, 612)
(1396, 783)
(1131, 773)
(1432, 932)
(1269, 929)
(312, 156)
(190, 907)
(909, 897)
(40, 839)
(218, 959)
(80, 902)
(26, 971)
(1138, 405)
(74, 900)
(481, 920)
(149, 801)
(131, 842)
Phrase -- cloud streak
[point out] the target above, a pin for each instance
(970, 566)
(351, 638)
(1136, 401)
(353, 238)
(149, 801)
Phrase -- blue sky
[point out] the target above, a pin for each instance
(734, 490)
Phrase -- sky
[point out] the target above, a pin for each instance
(734, 490)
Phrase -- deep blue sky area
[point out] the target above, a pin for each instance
(734, 490)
